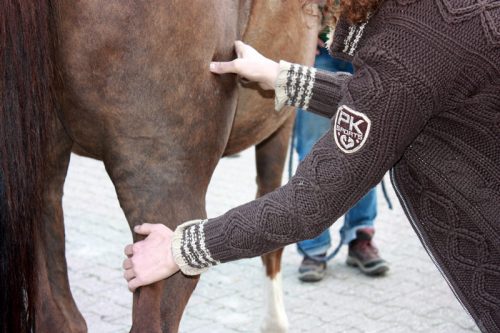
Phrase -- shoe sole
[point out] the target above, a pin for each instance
(379, 269)
(311, 276)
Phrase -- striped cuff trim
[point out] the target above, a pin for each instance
(189, 250)
(294, 85)
(329, 38)
(352, 40)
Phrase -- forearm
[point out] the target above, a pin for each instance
(312, 200)
(310, 89)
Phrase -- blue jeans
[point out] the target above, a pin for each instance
(309, 128)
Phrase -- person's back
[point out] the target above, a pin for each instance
(448, 178)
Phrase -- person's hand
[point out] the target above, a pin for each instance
(250, 65)
(149, 260)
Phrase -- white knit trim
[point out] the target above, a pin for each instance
(358, 37)
(280, 85)
(329, 38)
(302, 86)
(309, 88)
(178, 243)
(193, 235)
(347, 41)
(206, 254)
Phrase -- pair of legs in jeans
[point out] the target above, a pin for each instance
(309, 128)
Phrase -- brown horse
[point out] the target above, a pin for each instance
(132, 89)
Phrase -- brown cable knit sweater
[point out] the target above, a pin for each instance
(425, 103)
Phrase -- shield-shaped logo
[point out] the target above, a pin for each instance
(351, 129)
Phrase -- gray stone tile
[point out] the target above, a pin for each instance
(413, 297)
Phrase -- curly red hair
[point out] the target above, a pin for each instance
(356, 11)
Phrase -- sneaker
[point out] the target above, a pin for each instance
(364, 255)
(311, 270)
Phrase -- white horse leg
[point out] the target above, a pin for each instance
(275, 319)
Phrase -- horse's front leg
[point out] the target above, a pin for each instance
(270, 157)
(155, 187)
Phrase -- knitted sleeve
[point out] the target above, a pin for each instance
(296, 85)
(379, 111)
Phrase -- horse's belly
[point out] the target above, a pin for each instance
(139, 70)
(255, 120)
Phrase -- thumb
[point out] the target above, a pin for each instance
(239, 48)
(144, 229)
(223, 67)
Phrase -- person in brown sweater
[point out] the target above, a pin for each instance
(424, 103)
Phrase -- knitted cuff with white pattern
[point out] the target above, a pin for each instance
(293, 85)
(189, 250)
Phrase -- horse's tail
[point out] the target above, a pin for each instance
(26, 100)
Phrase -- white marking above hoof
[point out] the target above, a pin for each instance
(275, 318)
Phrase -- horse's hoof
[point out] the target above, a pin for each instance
(274, 327)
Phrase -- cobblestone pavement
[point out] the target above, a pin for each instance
(413, 297)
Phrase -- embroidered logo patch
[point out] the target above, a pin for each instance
(351, 129)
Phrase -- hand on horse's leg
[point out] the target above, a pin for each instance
(251, 65)
(151, 259)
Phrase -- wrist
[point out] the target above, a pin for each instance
(188, 250)
(272, 71)
(294, 84)
(280, 85)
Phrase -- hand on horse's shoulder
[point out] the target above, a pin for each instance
(149, 260)
(250, 65)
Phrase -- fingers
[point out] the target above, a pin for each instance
(145, 263)
(230, 66)
(129, 274)
(145, 228)
(224, 67)
(127, 264)
(239, 47)
(129, 250)
(134, 284)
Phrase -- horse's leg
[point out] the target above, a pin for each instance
(161, 184)
(56, 309)
(270, 157)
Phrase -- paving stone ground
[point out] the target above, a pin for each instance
(413, 297)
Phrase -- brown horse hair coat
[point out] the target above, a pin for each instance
(26, 90)
(27, 101)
